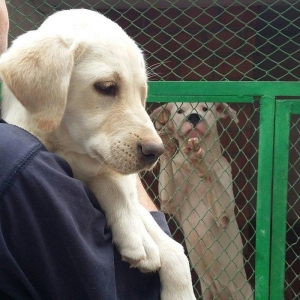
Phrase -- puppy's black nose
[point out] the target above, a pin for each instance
(150, 152)
(194, 119)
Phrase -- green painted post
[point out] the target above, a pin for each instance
(264, 196)
(280, 186)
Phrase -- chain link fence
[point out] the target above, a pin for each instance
(239, 147)
(209, 40)
(196, 40)
(293, 213)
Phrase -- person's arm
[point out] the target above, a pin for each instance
(4, 26)
(144, 198)
(146, 201)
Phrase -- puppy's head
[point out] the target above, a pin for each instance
(82, 84)
(191, 120)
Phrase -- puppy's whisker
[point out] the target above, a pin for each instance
(151, 72)
(156, 65)
(153, 76)
(150, 69)
(104, 161)
(119, 163)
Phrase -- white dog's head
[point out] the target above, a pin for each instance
(81, 86)
(190, 120)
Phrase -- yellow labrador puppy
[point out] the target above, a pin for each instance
(196, 186)
(79, 84)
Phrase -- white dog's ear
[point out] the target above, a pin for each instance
(224, 111)
(162, 113)
(166, 108)
(37, 70)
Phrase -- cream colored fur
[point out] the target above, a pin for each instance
(195, 185)
(79, 84)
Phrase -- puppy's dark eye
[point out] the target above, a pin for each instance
(205, 109)
(107, 88)
(180, 111)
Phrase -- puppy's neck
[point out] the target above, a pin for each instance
(13, 112)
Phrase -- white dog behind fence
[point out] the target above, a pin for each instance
(195, 185)
(79, 84)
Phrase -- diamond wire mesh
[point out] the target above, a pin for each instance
(239, 146)
(292, 277)
(211, 41)
(196, 40)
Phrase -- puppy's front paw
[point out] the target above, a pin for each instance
(152, 261)
(132, 254)
(140, 251)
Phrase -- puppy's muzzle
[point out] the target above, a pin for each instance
(194, 119)
(150, 152)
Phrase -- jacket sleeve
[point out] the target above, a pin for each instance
(55, 243)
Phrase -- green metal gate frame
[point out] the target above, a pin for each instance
(272, 163)
(284, 110)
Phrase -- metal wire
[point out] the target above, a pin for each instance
(196, 40)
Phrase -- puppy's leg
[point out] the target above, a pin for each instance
(174, 273)
(140, 240)
(118, 198)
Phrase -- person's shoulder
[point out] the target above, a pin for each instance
(16, 142)
(16, 145)
(18, 150)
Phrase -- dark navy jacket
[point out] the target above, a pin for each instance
(54, 242)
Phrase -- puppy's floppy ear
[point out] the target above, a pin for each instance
(225, 111)
(37, 69)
